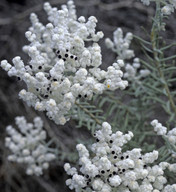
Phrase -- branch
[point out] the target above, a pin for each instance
(154, 39)
(90, 114)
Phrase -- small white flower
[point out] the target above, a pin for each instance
(120, 45)
(110, 168)
(27, 143)
(167, 9)
(161, 130)
(115, 181)
(62, 68)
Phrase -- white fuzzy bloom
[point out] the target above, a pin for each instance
(28, 146)
(133, 72)
(62, 67)
(170, 188)
(170, 135)
(120, 45)
(110, 168)
(115, 181)
(150, 157)
(161, 130)
(168, 6)
(144, 72)
(167, 9)
(97, 184)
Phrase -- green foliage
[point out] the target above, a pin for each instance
(151, 97)
(88, 115)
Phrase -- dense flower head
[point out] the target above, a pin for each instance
(121, 46)
(133, 71)
(169, 135)
(158, 127)
(112, 169)
(64, 63)
(27, 144)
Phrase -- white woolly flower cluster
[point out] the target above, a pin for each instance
(120, 46)
(28, 145)
(132, 73)
(168, 6)
(170, 135)
(64, 63)
(158, 127)
(111, 169)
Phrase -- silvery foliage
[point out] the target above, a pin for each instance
(27, 144)
(168, 6)
(112, 169)
(64, 66)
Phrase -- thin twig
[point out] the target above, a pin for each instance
(89, 113)
(154, 35)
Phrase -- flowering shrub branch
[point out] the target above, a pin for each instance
(111, 169)
(64, 78)
(28, 145)
(63, 68)
(170, 136)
